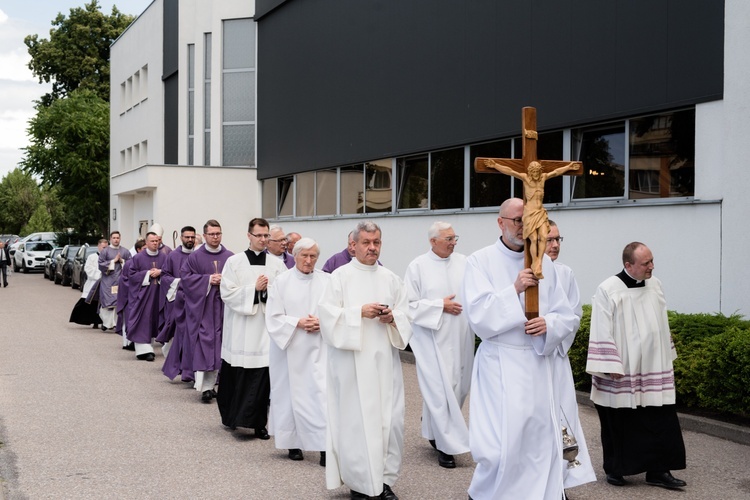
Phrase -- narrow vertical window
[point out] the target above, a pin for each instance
(191, 104)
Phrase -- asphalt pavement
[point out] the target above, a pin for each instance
(81, 418)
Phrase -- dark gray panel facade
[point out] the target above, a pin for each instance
(374, 78)
(169, 78)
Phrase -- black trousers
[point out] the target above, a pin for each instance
(644, 439)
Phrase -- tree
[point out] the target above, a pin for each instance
(19, 196)
(76, 55)
(69, 149)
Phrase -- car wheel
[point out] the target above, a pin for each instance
(57, 280)
(15, 266)
(25, 269)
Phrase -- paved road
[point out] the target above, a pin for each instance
(81, 418)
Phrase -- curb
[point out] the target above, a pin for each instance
(723, 430)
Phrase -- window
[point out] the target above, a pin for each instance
(447, 179)
(191, 104)
(269, 199)
(602, 151)
(286, 196)
(378, 191)
(305, 194)
(489, 190)
(662, 156)
(325, 192)
(352, 189)
(413, 182)
(238, 93)
(207, 99)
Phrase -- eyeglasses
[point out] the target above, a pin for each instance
(559, 240)
(518, 222)
(450, 239)
(277, 241)
(213, 235)
(188, 237)
(261, 236)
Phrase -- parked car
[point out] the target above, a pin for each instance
(64, 265)
(30, 255)
(46, 236)
(49, 263)
(78, 277)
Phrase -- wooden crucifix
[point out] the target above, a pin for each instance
(533, 173)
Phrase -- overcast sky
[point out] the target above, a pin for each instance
(18, 88)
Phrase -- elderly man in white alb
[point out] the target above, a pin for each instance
(583, 473)
(443, 343)
(297, 357)
(365, 322)
(515, 425)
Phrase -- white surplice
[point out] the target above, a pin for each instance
(245, 342)
(297, 364)
(515, 425)
(443, 345)
(365, 387)
(91, 268)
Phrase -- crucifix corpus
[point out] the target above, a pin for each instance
(533, 172)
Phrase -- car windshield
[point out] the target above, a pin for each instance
(41, 246)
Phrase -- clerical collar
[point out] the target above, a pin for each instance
(115, 247)
(365, 267)
(629, 281)
(437, 257)
(256, 252)
(152, 254)
(304, 276)
(506, 246)
(212, 250)
(186, 250)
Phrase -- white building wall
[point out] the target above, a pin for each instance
(735, 291)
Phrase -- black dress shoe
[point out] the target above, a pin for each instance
(664, 479)
(388, 493)
(149, 356)
(446, 461)
(616, 480)
(214, 394)
(104, 328)
(262, 433)
(296, 454)
(322, 461)
(206, 397)
(356, 495)
(129, 347)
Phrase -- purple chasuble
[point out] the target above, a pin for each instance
(143, 318)
(203, 306)
(179, 359)
(337, 260)
(110, 278)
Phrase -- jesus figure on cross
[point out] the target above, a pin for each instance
(535, 222)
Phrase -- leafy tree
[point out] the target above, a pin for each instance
(39, 221)
(76, 55)
(69, 149)
(19, 196)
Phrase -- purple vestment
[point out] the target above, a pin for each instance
(109, 277)
(337, 260)
(143, 318)
(122, 296)
(203, 306)
(179, 358)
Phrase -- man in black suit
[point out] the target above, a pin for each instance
(4, 262)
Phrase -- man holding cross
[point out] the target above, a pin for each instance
(515, 431)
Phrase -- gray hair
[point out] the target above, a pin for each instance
(275, 227)
(436, 227)
(304, 244)
(367, 226)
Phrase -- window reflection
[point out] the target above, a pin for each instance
(662, 155)
(269, 198)
(378, 191)
(352, 189)
(325, 185)
(602, 151)
(412, 182)
(286, 196)
(305, 187)
(550, 147)
(447, 179)
(489, 190)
